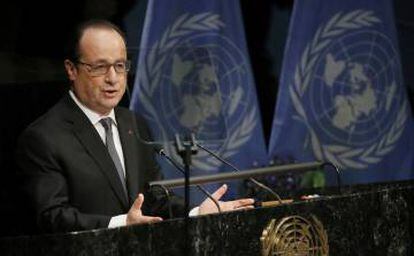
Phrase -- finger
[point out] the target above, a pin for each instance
(138, 202)
(244, 207)
(150, 219)
(244, 202)
(219, 192)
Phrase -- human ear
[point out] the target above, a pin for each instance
(71, 70)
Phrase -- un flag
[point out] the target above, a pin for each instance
(342, 97)
(194, 76)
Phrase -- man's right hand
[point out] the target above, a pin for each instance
(135, 215)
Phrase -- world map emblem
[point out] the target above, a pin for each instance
(349, 79)
(200, 80)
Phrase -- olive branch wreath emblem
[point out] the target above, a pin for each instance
(341, 155)
(151, 74)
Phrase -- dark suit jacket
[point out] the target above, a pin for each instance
(69, 177)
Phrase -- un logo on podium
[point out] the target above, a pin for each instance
(348, 93)
(294, 235)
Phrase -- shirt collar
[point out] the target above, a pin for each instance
(92, 115)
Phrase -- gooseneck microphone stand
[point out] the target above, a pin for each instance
(158, 148)
(186, 149)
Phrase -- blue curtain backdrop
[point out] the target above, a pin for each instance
(342, 97)
(194, 76)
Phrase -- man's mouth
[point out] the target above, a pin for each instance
(110, 92)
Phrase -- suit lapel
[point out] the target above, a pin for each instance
(129, 148)
(93, 144)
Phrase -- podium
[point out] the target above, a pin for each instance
(375, 219)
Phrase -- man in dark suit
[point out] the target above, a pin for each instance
(82, 165)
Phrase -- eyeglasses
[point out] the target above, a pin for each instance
(103, 68)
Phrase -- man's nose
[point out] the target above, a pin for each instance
(111, 76)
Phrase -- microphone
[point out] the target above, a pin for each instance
(256, 182)
(179, 168)
(159, 149)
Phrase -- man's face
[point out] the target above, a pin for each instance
(100, 93)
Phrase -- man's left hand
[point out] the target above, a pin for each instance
(208, 206)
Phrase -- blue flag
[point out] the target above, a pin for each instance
(342, 97)
(194, 76)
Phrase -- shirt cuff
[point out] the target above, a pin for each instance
(118, 221)
(194, 212)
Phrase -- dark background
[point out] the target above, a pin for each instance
(32, 77)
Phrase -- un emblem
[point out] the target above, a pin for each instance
(199, 79)
(295, 235)
(349, 77)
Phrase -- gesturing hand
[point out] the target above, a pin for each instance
(208, 205)
(135, 215)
